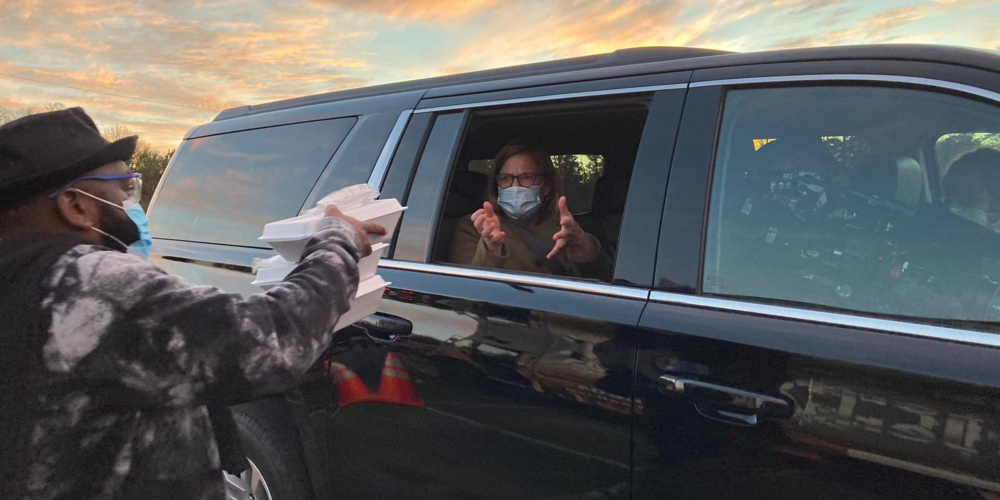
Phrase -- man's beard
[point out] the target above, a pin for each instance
(114, 222)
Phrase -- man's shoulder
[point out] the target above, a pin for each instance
(98, 265)
(91, 255)
(79, 251)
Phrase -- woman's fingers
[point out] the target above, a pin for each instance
(565, 217)
(570, 235)
(489, 227)
(487, 223)
(565, 234)
(482, 222)
(478, 214)
(564, 208)
(484, 218)
(560, 244)
(494, 237)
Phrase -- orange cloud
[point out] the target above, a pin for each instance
(570, 28)
(523, 32)
(166, 52)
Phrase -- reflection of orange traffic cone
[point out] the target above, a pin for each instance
(396, 387)
(350, 388)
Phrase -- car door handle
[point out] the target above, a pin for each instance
(726, 404)
(385, 328)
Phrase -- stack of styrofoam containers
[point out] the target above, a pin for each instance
(289, 237)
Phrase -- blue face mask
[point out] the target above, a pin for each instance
(135, 212)
(137, 215)
(520, 202)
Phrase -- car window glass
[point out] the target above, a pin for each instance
(591, 147)
(822, 196)
(224, 188)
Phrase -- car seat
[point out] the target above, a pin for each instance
(607, 210)
(466, 195)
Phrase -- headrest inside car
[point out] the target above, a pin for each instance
(610, 195)
(467, 194)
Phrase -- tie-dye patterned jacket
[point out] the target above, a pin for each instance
(132, 354)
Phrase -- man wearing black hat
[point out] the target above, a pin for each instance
(106, 361)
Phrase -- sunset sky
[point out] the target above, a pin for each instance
(198, 57)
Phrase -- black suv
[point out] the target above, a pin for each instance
(804, 302)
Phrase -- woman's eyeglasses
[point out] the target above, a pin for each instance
(523, 180)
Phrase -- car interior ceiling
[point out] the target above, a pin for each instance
(612, 131)
(931, 117)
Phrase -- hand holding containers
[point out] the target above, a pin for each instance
(288, 237)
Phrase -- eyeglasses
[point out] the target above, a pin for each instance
(134, 188)
(524, 180)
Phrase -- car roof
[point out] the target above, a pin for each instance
(644, 60)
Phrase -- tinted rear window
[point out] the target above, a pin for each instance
(224, 188)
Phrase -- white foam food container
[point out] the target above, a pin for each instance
(368, 266)
(288, 237)
(267, 277)
(365, 303)
(385, 213)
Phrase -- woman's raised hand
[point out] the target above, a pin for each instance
(488, 224)
(579, 246)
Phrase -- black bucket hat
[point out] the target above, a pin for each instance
(42, 152)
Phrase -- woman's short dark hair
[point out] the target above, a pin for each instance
(541, 158)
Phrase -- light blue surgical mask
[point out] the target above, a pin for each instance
(137, 215)
(520, 202)
(135, 212)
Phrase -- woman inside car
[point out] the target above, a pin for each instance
(525, 224)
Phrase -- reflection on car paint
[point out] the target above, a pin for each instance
(493, 373)
(965, 436)
(395, 388)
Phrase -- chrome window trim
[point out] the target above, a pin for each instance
(829, 318)
(928, 82)
(912, 80)
(555, 97)
(382, 163)
(518, 279)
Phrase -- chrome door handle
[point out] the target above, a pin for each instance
(724, 403)
(385, 328)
